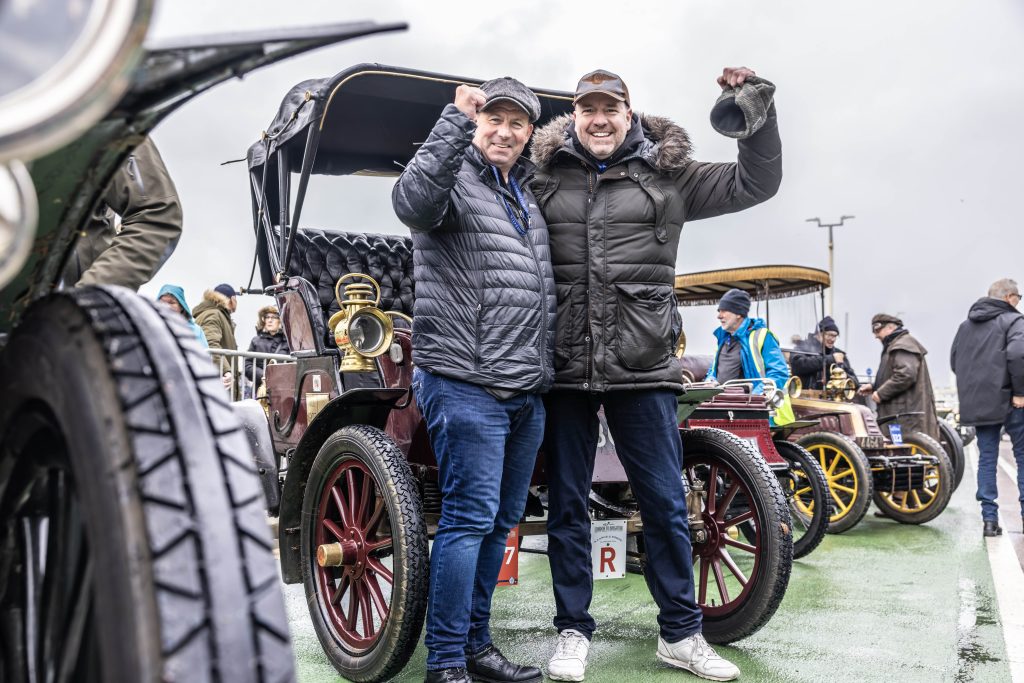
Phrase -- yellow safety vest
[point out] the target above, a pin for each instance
(784, 413)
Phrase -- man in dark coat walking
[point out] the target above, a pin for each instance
(902, 385)
(812, 359)
(616, 187)
(988, 359)
(483, 337)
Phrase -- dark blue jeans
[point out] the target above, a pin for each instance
(988, 459)
(485, 451)
(646, 434)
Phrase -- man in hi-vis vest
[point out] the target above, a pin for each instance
(747, 349)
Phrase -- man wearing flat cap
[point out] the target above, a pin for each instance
(902, 384)
(813, 358)
(483, 338)
(616, 187)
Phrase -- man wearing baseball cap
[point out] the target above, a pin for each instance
(616, 188)
(483, 337)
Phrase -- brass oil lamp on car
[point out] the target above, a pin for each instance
(840, 387)
(361, 330)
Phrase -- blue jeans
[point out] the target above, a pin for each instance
(485, 450)
(988, 458)
(646, 434)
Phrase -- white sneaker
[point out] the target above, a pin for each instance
(696, 656)
(569, 662)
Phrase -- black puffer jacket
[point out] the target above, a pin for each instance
(614, 241)
(988, 359)
(485, 295)
(264, 342)
(806, 363)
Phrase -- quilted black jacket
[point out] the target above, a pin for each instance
(485, 295)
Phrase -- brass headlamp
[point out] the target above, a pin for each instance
(840, 387)
(361, 330)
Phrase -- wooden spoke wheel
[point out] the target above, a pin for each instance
(810, 501)
(918, 493)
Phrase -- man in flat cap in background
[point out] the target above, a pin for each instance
(902, 384)
(813, 358)
(483, 337)
(616, 187)
(988, 358)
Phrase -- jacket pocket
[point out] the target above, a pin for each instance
(645, 322)
(570, 323)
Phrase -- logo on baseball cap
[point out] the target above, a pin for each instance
(603, 82)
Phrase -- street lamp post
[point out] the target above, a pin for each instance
(831, 273)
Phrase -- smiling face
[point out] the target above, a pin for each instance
(602, 123)
(502, 131)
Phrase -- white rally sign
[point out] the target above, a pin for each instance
(608, 548)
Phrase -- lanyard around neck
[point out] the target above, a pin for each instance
(520, 200)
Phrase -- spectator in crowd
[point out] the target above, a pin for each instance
(174, 297)
(616, 188)
(483, 337)
(213, 314)
(134, 229)
(988, 360)
(269, 339)
(813, 359)
(902, 384)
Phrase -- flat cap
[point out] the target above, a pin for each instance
(603, 82)
(885, 319)
(508, 89)
(741, 111)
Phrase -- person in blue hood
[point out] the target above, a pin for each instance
(747, 349)
(174, 297)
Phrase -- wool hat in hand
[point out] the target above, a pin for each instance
(741, 111)
(735, 301)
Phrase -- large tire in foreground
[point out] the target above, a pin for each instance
(133, 539)
(742, 570)
(924, 495)
(953, 444)
(849, 477)
(810, 503)
(364, 545)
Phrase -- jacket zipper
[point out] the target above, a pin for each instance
(588, 341)
(544, 304)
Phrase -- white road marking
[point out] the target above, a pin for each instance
(1008, 577)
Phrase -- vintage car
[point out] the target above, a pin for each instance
(910, 481)
(348, 468)
(133, 544)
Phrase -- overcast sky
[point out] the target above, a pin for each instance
(903, 114)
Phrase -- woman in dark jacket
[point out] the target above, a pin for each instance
(269, 339)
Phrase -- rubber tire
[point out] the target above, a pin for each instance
(186, 587)
(798, 456)
(932, 447)
(862, 471)
(392, 474)
(776, 563)
(954, 447)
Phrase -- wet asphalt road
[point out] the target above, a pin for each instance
(882, 602)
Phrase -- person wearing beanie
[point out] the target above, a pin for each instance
(269, 339)
(173, 297)
(484, 339)
(902, 384)
(616, 187)
(812, 359)
(213, 314)
(747, 349)
(987, 357)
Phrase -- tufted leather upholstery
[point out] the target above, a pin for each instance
(323, 256)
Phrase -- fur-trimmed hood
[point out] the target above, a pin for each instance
(666, 148)
(259, 318)
(217, 299)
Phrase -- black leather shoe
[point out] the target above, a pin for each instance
(456, 675)
(991, 529)
(491, 666)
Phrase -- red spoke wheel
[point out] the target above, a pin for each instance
(741, 567)
(365, 570)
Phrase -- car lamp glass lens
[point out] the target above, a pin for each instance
(365, 333)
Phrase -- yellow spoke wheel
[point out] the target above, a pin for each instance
(918, 493)
(847, 473)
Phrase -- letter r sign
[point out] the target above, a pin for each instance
(608, 548)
